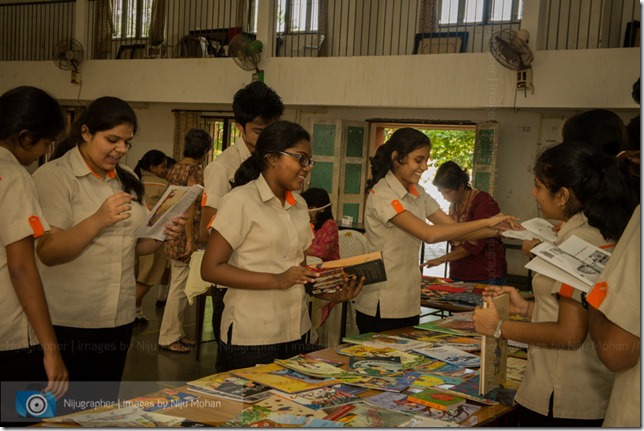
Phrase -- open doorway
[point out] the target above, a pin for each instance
(455, 142)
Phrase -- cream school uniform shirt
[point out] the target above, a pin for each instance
(20, 217)
(265, 236)
(399, 296)
(617, 295)
(580, 383)
(95, 290)
(218, 173)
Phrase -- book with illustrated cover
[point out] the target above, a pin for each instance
(440, 368)
(536, 228)
(451, 355)
(175, 201)
(162, 399)
(575, 262)
(310, 367)
(271, 406)
(292, 374)
(265, 375)
(277, 420)
(392, 384)
(494, 351)
(436, 399)
(401, 403)
(332, 273)
(317, 399)
(407, 360)
(450, 325)
(379, 340)
(228, 386)
(361, 415)
(374, 366)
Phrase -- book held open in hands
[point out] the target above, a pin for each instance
(575, 262)
(535, 228)
(175, 201)
(332, 273)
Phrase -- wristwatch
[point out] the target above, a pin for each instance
(497, 331)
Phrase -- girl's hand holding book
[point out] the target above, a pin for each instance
(295, 275)
(347, 291)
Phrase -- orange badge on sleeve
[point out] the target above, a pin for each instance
(597, 294)
(397, 206)
(566, 290)
(36, 226)
(204, 198)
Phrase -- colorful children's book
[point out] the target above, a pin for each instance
(374, 366)
(310, 367)
(232, 387)
(320, 398)
(378, 340)
(436, 399)
(451, 355)
(407, 360)
(332, 273)
(455, 324)
(265, 375)
(290, 421)
(292, 374)
(162, 399)
(361, 415)
(503, 394)
(271, 406)
(392, 384)
(494, 351)
(401, 403)
(440, 368)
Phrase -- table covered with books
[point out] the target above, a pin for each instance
(425, 376)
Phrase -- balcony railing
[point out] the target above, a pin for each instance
(134, 29)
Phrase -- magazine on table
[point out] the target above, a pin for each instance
(536, 228)
(175, 201)
(575, 262)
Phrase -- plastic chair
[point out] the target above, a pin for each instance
(352, 243)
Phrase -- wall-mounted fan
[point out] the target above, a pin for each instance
(68, 55)
(247, 53)
(510, 48)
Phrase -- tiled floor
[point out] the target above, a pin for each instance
(148, 368)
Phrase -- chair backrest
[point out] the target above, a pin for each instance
(352, 243)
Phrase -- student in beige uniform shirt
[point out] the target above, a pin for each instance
(396, 215)
(255, 106)
(565, 383)
(94, 204)
(615, 325)
(257, 247)
(30, 121)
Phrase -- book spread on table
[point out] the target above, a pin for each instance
(375, 366)
(575, 262)
(175, 201)
(378, 340)
(451, 355)
(494, 351)
(229, 386)
(271, 375)
(436, 399)
(332, 273)
(317, 399)
(536, 228)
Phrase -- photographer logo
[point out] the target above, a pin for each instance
(35, 404)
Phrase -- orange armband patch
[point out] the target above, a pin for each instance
(597, 294)
(204, 198)
(36, 226)
(397, 206)
(566, 290)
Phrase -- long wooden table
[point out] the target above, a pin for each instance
(223, 410)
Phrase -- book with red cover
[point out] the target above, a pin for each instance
(436, 399)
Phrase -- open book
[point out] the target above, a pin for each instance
(575, 262)
(536, 228)
(175, 201)
(332, 273)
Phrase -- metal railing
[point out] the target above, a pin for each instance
(132, 29)
(30, 31)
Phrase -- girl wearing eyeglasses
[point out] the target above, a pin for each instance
(396, 215)
(257, 247)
